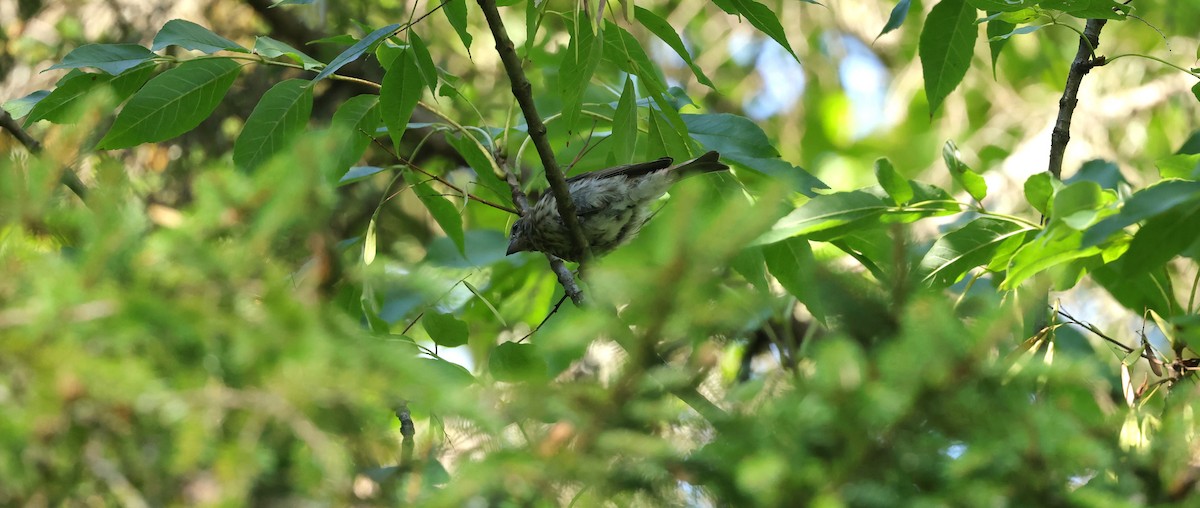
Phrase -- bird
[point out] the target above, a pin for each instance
(612, 206)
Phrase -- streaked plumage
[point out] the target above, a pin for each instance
(612, 205)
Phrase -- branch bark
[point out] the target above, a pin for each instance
(1085, 60)
(8, 123)
(523, 92)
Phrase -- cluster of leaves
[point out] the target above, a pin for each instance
(258, 377)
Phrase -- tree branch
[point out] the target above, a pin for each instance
(523, 92)
(72, 181)
(557, 265)
(1085, 60)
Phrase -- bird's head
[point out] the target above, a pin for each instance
(518, 238)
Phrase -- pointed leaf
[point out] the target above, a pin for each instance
(188, 35)
(791, 262)
(665, 32)
(972, 245)
(575, 72)
(424, 61)
(896, 18)
(624, 126)
(1039, 189)
(947, 43)
(353, 52)
(827, 217)
(1142, 205)
(444, 329)
(398, 95)
(761, 17)
(1051, 248)
(975, 185)
(443, 212)
(897, 186)
(111, 58)
(22, 106)
(172, 103)
(272, 48)
(456, 13)
(281, 114)
(995, 28)
(358, 118)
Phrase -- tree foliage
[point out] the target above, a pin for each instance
(310, 299)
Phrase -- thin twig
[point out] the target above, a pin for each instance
(69, 178)
(523, 92)
(407, 430)
(1085, 60)
(547, 318)
(439, 179)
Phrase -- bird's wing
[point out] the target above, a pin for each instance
(638, 169)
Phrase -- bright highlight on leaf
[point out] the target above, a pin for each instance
(172, 103)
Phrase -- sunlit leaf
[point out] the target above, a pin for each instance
(947, 44)
(668, 34)
(188, 35)
(972, 245)
(111, 58)
(272, 48)
(282, 113)
(761, 17)
(172, 103)
(896, 186)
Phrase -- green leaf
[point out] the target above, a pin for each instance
(443, 212)
(456, 13)
(172, 103)
(1088, 9)
(665, 32)
(1149, 290)
(1184, 166)
(188, 35)
(828, 217)
(1002, 5)
(514, 363)
(1163, 237)
(447, 375)
(358, 118)
(111, 58)
(791, 261)
(1196, 91)
(1027, 29)
(1052, 247)
(22, 106)
(946, 46)
(896, 18)
(730, 134)
(627, 53)
(358, 174)
(282, 113)
(353, 52)
(663, 140)
(424, 61)
(624, 126)
(58, 106)
(975, 185)
(1142, 205)
(399, 93)
(1106, 174)
(1039, 189)
(474, 150)
(1077, 204)
(897, 186)
(580, 59)
(972, 245)
(761, 17)
(444, 329)
(271, 48)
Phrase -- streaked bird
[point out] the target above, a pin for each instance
(612, 205)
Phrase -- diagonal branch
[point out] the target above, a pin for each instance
(557, 265)
(523, 92)
(8, 123)
(1085, 60)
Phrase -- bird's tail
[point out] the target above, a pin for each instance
(706, 163)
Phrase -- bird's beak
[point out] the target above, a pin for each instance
(513, 247)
